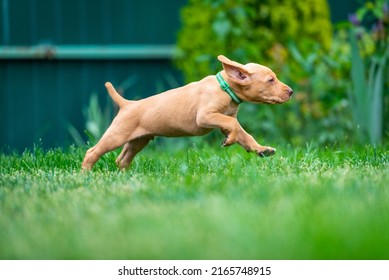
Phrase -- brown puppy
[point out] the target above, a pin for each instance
(194, 109)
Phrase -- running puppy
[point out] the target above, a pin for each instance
(191, 110)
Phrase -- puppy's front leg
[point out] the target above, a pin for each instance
(250, 145)
(228, 125)
(234, 133)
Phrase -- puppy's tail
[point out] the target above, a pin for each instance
(116, 97)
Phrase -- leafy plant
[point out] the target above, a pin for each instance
(319, 110)
(97, 118)
(293, 38)
(367, 95)
(247, 30)
(320, 78)
(369, 54)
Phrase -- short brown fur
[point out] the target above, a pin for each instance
(191, 110)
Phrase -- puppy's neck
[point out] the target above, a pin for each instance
(226, 87)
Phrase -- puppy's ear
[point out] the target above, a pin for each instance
(235, 71)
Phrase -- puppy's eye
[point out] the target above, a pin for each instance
(271, 80)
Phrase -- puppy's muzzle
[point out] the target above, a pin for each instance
(289, 91)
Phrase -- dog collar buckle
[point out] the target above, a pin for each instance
(226, 87)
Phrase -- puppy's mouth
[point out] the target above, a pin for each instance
(285, 96)
(279, 100)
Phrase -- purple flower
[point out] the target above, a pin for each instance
(354, 19)
(378, 30)
(385, 9)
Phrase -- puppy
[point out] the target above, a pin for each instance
(192, 110)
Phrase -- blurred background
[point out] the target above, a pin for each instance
(56, 55)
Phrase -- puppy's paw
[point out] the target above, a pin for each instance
(229, 140)
(266, 152)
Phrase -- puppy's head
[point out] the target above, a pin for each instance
(255, 83)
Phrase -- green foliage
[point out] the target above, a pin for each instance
(305, 55)
(97, 121)
(319, 110)
(370, 57)
(247, 30)
(197, 203)
(293, 38)
(97, 117)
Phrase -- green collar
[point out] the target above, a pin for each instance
(225, 86)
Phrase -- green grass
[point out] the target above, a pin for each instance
(198, 202)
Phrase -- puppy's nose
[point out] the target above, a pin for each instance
(290, 91)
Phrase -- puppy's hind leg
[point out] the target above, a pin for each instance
(130, 150)
(96, 152)
(113, 138)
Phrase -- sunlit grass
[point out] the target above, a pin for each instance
(198, 202)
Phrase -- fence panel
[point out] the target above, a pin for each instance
(55, 53)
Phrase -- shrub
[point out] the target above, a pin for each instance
(292, 37)
(247, 30)
(320, 110)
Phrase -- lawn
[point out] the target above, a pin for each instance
(197, 202)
